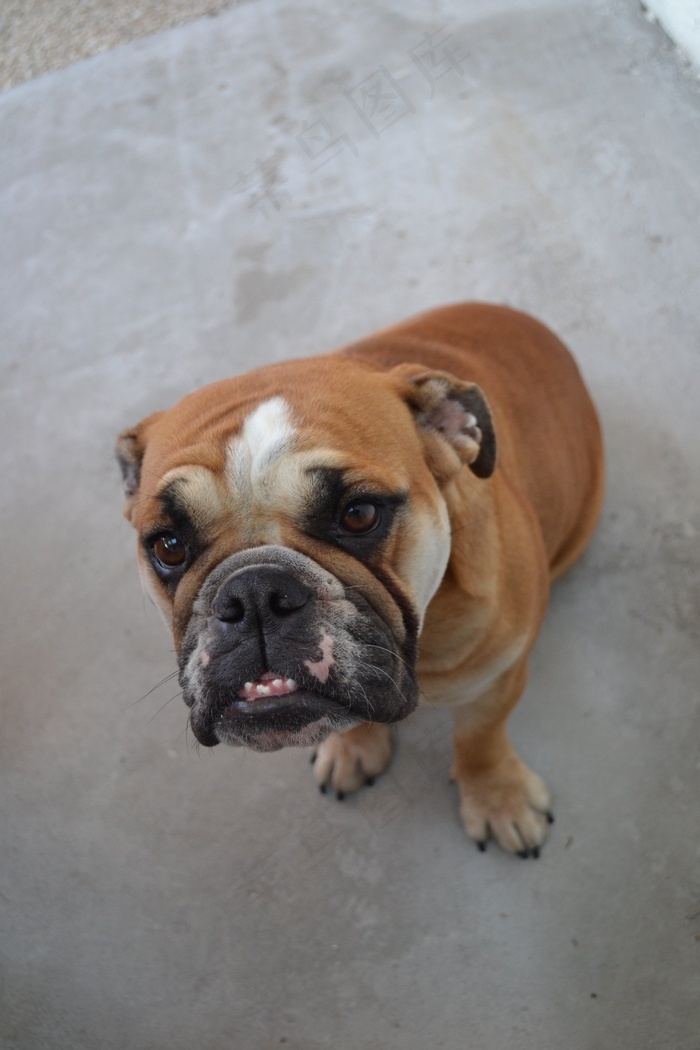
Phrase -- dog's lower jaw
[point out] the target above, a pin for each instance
(300, 719)
(311, 735)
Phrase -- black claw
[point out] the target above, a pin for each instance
(322, 788)
(550, 818)
(340, 795)
(536, 853)
(369, 782)
(481, 846)
(524, 854)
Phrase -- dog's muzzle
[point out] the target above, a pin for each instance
(279, 652)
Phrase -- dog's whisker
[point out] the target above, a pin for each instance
(426, 699)
(396, 656)
(153, 473)
(163, 706)
(350, 697)
(167, 678)
(143, 499)
(476, 520)
(374, 667)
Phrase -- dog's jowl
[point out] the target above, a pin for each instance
(332, 538)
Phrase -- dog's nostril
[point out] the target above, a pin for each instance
(230, 611)
(283, 602)
(260, 594)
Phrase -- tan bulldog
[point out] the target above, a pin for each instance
(333, 538)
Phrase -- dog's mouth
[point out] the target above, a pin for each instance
(272, 712)
(269, 685)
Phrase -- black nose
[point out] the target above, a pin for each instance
(265, 594)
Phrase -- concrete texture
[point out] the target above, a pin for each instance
(223, 195)
(37, 36)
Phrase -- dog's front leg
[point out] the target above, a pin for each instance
(500, 796)
(348, 761)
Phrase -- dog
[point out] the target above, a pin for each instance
(334, 537)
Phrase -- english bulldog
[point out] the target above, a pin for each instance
(335, 538)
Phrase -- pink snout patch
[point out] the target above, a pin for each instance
(320, 669)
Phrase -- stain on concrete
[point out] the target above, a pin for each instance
(254, 253)
(256, 289)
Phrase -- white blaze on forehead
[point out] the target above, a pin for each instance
(269, 431)
(267, 435)
(268, 476)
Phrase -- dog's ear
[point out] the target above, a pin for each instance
(130, 448)
(454, 419)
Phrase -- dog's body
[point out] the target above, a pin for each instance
(319, 531)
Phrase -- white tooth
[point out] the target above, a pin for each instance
(277, 683)
(290, 684)
(248, 686)
(263, 690)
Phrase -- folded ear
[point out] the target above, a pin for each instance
(130, 448)
(455, 421)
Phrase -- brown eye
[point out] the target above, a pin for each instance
(169, 551)
(358, 518)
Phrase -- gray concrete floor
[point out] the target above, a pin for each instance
(222, 195)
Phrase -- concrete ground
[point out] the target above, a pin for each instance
(268, 183)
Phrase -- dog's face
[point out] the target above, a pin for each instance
(292, 530)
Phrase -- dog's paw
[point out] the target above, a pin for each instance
(510, 804)
(348, 761)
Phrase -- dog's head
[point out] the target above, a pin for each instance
(292, 530)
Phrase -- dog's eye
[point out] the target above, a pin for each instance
(169, 551)
(359, 518)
